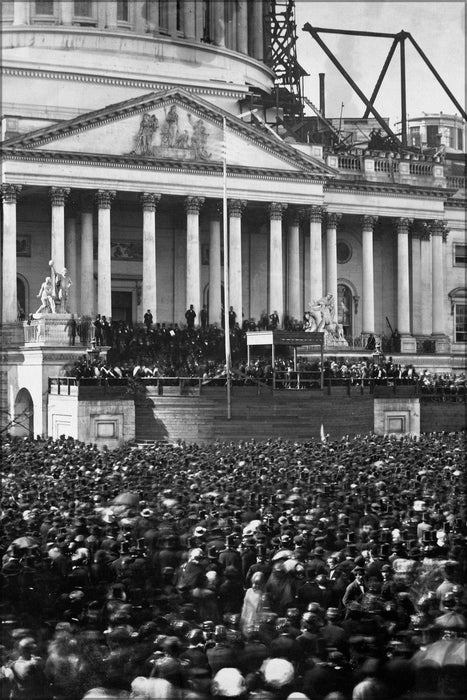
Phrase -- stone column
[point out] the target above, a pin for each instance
(426, 323)
(416, 277)
(294, 278)
(111, 17)
(193, 278)
(172, 17)
(149, 200)
(58, 196)
(21, 12)
(438, 314)
(9, 297)
(87, 258)
(316, 254)
(66, 13)
(368, 288)
(408, 344)
(242, 26)
(256, 33)
(331, 254)
(189, 19)
(276, 271)
(104, 265)
(236, 207)
(215, 271)
(71, 261)
(231, 24)
(218, 12)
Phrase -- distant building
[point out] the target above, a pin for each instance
(437, 131)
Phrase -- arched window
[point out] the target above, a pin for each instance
(458, 299)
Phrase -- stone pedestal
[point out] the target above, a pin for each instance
(442, 345)
(48, 329)
(396, 416)
(408, 344)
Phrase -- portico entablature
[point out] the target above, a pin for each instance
(168, 181)
(386, 202)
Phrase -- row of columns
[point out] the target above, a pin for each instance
(427, 269)
(235, 24)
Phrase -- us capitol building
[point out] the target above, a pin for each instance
(116, 117)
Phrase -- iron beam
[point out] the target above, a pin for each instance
(381, 76)
(352, 83)
(403, 91)
(351, 32)
(437, 76)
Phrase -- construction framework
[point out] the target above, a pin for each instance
(399, 40)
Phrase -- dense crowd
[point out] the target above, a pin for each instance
(255, 571)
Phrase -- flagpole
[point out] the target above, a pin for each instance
(226, 271)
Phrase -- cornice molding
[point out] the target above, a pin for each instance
(118, 82)
(152, 164)
(372, 188)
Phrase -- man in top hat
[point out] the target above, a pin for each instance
(357, 589)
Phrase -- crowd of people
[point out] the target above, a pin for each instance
(254, 571)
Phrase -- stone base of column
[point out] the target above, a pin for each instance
(408, 344)
(442, 344)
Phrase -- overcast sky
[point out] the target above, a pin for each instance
(438, 27)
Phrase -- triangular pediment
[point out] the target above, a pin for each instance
(171, 126)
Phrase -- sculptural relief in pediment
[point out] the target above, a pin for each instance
(176, 134)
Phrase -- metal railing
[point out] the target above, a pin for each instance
(278, 380)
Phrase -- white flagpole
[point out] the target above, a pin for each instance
(226, 270)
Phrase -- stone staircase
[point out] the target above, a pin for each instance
(293, 415)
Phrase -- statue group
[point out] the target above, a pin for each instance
(189, 139)
(322, 318)
(55, 292)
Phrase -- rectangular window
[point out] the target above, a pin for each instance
(460, 140)
(179, 16)
(461, 323)
(432, 138)
(415, 136)
(83, 8)
(44, 7)
(122, 11)
(460, 254)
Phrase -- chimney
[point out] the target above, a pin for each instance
(322, 98)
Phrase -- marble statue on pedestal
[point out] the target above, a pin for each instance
(322, 318)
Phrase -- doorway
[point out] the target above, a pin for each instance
(24, 415)
(344, 309)
(122, 307)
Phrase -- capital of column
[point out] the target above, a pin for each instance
(402, 225)
(332, 219)
(236, 207)
(193, 204)
(276, 209)
(315, 214)
(10, 193)
(368, 222)
(438, 228)
(104, 198)
(149, 200)
(58, 195)
(420, 229)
